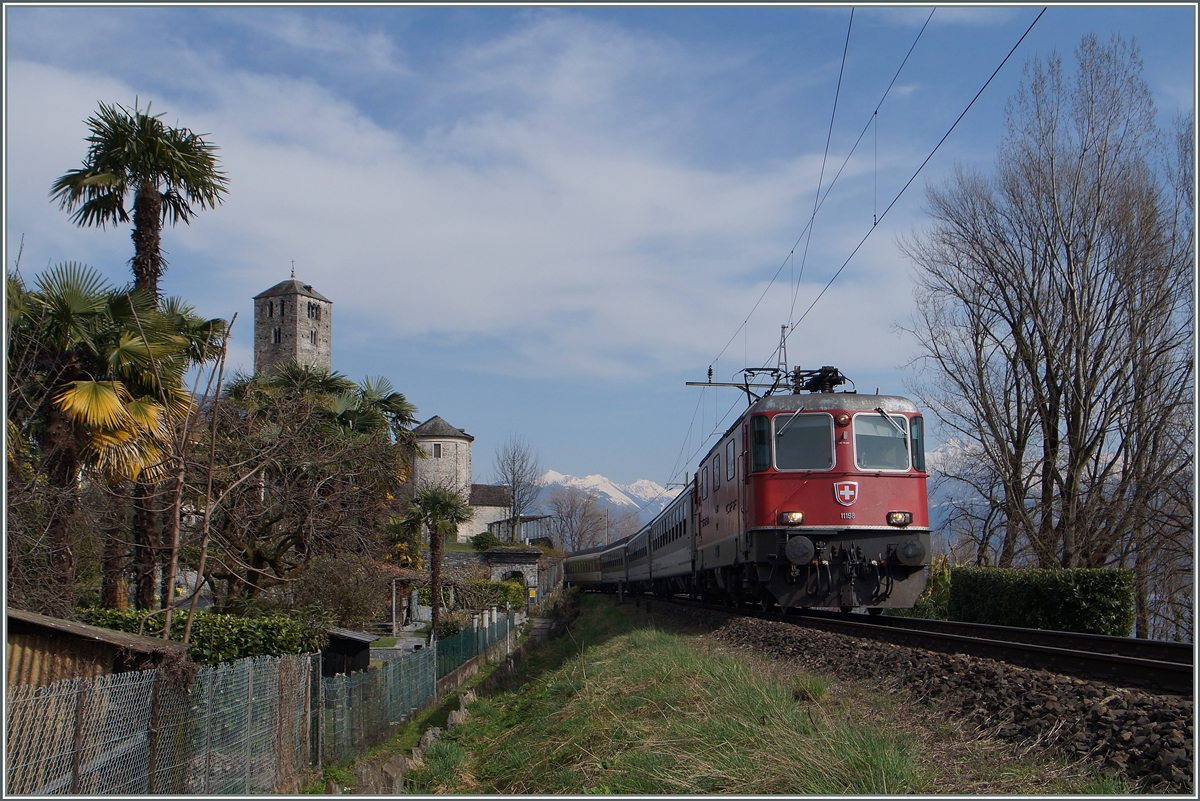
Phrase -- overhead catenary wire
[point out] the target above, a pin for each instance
(791, 254)
(917, 172)
(875, 221)
(812, 220)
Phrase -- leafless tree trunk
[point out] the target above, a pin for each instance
(518, 467)
(1055, 320)
(576, 518)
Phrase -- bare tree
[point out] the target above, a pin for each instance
(520, 469)
(1055, 320)
(576, 517)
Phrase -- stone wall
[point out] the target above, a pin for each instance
(452, 469)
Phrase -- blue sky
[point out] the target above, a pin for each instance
(544, 221)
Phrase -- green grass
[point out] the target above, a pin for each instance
(619, 707)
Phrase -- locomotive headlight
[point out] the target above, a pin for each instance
(899, 518)
(791, 518)
(843, 419)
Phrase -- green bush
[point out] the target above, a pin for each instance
(1091, 601)
(484, 540)
(451, 623)
(498, 593)
(217, 638)
(479, 594)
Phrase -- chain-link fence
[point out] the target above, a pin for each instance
(242, 728)
(250, 726)
(365, 708)
(247, 727)
(457, 649)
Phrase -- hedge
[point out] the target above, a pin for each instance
(215, 638)
(480, 594)
(1091, 601)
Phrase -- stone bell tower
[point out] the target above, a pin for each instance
(292, 321)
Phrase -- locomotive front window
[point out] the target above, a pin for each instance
(880, 443)
(803, 442)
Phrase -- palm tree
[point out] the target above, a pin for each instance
(167, 170)
(79, 355)
(439, 511)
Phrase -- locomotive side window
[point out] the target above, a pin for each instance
(918, 444)
(880, 443)
(716, 472)
(803, 442)
(730, 465)
(761, 449)
(704, 482)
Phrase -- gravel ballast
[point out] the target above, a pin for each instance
(1146, 737)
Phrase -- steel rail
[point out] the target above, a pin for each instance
(1154, 650)
(1172, 677)
(1070, 656)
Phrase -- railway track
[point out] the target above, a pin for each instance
(1122, 661)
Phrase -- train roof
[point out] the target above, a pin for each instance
(587, 551)
(621, 543)
(849, 401)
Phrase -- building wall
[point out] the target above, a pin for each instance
(299, 320)
(451, 469)
(484, 515)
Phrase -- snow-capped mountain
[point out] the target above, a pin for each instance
(643, 493)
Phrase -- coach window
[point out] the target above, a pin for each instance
(803, 441)
(761, 437)
(704, 482)
(918, 444)
(716, 472)
(880, 441)
(730, 465)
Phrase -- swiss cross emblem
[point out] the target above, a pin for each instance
(846, 492)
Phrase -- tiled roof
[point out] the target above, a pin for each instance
(491, 495)
(292, 286)
(437, 427)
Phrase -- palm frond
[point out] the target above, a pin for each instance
(98, 404)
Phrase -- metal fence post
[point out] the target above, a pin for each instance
(77, 740)
(152, 737)
(249, 720)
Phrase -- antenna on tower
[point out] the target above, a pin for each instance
(783, 349)
(293, 268)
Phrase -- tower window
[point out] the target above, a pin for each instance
(312, 337)
(277, 336)
(437, 450)
(270, 308)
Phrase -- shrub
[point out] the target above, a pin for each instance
(1091, 601)
(352, 587)
(451, 623)
(216, 638)
(484, 540)
(496, 593)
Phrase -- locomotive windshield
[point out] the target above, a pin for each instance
(803, 442)
(880, 442)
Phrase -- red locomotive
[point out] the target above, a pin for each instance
(811, 499)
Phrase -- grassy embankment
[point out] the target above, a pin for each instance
(620, 706)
